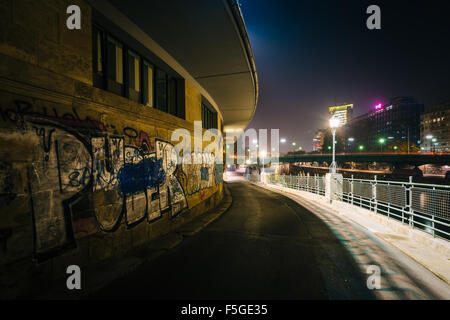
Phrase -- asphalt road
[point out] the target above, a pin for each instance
(268, 246)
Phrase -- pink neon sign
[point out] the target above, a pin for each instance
(378, 106)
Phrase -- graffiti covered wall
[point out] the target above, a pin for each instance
(78, 173)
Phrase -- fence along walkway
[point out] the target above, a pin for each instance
(421, 206)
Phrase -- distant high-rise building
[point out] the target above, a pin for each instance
(394, 126)
(319, 136)
(435, 129)
(343, 112)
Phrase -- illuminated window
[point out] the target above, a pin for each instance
(148, 84)
(124, 71)
(98, 54)
(134, 76)
(114, 56)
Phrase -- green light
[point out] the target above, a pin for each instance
(381, 140)
(395, 147)
(361, 147)
(329, 147)
(294, 144)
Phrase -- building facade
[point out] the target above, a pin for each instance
(435, 129)
(87, 169)
(318, 140)
(392, 127)
(342, 112)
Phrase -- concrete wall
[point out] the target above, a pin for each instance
(84, 174)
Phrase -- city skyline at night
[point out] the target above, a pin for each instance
(317, 54)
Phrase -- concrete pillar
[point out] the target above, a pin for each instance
(265, 177)
(333, 186)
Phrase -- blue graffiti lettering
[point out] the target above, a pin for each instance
(135, 178)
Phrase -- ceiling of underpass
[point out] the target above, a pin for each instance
(205, 38)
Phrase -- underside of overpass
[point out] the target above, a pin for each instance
(209, 39)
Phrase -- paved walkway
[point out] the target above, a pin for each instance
(268, 246)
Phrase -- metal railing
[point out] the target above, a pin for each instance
(314, 184)
(422, 206)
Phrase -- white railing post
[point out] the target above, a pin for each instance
(351, 190)
(411, 213)
(374, 194)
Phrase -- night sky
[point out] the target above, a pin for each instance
(313, 54)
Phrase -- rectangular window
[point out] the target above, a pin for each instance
(161, 90)
(172, 95)
(119, 69)
(98, 54)
(134, 76)
(209, 117)
(148, 84)
(114, 57)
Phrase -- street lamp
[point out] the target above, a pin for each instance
(435, 144)
(283, 140)
(350, 141)
(429, 137)
(334, 123)
(381, 141)
(263, 154)
(361, 148)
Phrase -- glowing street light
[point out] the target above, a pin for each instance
(361, 148)
(283, 140)
(381, 141)
(334, 123)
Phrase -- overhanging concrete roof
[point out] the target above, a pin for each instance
(209, 40)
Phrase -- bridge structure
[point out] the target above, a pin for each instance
(393, 158)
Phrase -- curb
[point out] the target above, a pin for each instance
(136, 257)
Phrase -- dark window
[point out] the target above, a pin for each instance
(172, 95)
(161, 90)
(209, 117)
